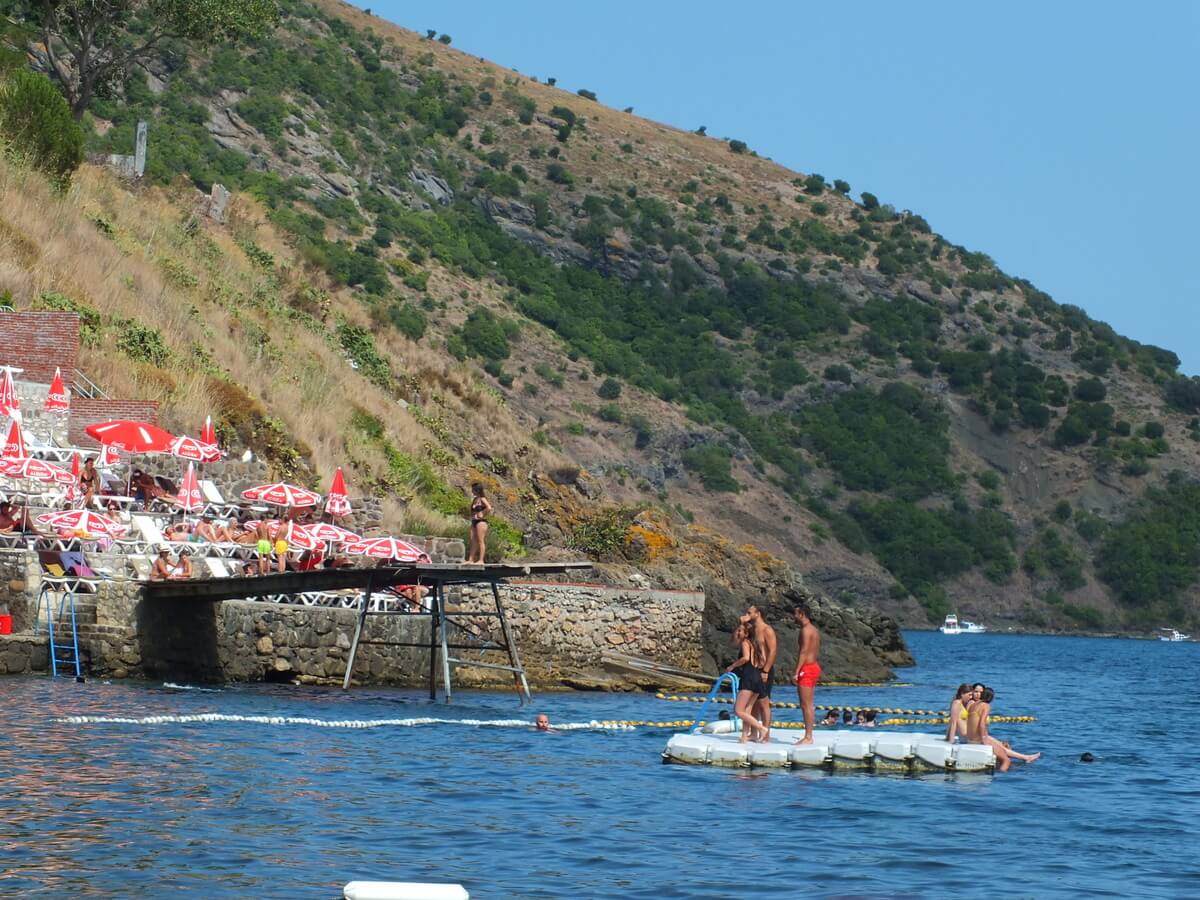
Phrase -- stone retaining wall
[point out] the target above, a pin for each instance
(562, 633)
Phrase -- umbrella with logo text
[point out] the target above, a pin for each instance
(58, 399)
(208, 434)
(14, 446)
(336, 504)
(282, 494)
(132, 437)
(36, 470)
(387, 548)
(10, 403)
(189, 497)
(82, 520)
(324, 531)
(190, 448)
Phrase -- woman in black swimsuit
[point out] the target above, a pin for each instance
(747, 667)
(481, 508)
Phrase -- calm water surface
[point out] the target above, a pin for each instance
(240, 810)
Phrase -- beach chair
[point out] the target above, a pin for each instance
(217, 505)
(216, 567)
(143, 566)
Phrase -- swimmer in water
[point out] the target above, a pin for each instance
(542, 723)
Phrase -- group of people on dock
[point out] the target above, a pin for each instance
(969, 714)
(755, 669)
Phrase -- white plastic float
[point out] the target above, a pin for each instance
(880, 751)
(403, 890)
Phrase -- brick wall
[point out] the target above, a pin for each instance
(39, 341)
(86, 412)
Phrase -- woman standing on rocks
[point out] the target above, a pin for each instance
(746, 667)
(481, 508)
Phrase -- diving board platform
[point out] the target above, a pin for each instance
(450, 629)
(881, 751)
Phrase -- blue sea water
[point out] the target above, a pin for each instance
(236, 809)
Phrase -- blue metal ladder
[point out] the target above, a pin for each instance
(61, 652)
(712, 694)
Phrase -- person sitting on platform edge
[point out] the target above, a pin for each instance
(977, 733)
(165, 570)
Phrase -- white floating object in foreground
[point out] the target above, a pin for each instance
(403, 890)
(859, 749)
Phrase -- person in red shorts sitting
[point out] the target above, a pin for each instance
(808, 670)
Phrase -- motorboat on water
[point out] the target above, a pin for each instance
(953, 625)
(1173, 635)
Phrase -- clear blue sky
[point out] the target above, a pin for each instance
(1061, 138)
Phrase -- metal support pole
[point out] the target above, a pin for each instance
(441, 604)
(433, 627)
(365, 604)
(522, 685)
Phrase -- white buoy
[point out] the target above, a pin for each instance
(403, 890)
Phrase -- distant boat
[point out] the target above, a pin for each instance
(952, 625)
(1170, 634)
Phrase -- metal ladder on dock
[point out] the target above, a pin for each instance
(712, 695)
(442, 641)
(64, 652)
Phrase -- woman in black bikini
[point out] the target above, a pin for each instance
(746, 667)
(481, 508)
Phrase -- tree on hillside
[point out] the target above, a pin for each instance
(90, 44)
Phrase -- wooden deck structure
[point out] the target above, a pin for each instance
(446, 627)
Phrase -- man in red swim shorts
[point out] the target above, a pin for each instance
(808, 670)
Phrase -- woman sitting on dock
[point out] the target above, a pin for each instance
(746, 667)
(959, 712)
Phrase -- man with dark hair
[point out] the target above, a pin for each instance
(768, 647)
(808, 670)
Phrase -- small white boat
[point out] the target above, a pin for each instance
(952, 625)
(1172, 635)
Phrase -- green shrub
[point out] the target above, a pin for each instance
(1051, 556)
(1153, 430)
(359, 345)
(486, 335)
(610, 389)
(712, 463)
(738, 146)
(408, 320)
(142, 343)
(558, 173)
(1153, 555)
(611, 413)
(36, 125)
(988, 480)
(838, 373)
(602, 534)
(1062, 511)
(1090, 390)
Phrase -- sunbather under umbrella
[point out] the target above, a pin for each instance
(83, 520)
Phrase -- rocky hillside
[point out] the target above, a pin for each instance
(480, 274)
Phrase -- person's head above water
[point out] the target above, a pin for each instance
(847, 718)
(542, 722)
(1086, 757)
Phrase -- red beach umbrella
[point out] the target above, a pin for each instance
(190, 448)
(109, 456)
(324, 531)
(337, 504)
(297, 536)
(189, 496)
(14, 447)
(132, 437)
(73, 492)
(59, 399)
(281, 494)
(36, 470)
(208, 434)
(387, 548)
(10, 403)
(81, 520)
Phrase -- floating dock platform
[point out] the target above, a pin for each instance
(882, 751)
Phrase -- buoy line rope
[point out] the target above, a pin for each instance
(943, 720)
(205, 718)
(783, 704)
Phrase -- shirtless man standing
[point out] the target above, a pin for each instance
(767, 646)
(808, 670)
(977, 732)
